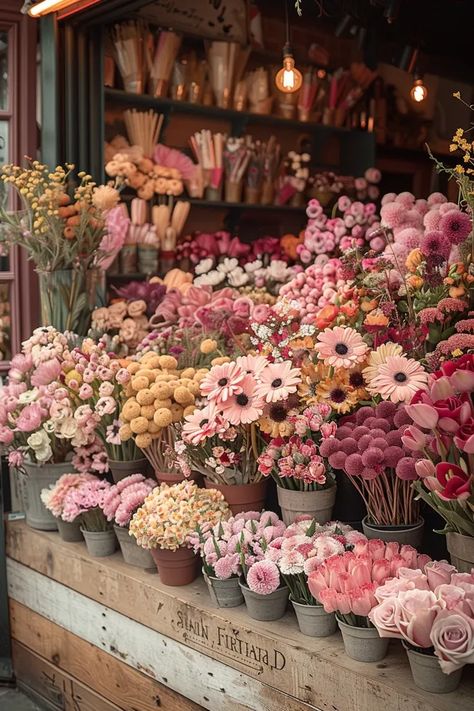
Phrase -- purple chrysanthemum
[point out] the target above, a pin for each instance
(455, 226)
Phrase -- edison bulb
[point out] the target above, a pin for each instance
(288, 79)
(418, 92)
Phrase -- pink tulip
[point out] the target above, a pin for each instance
(463, 381)
(376, 549)
(423, 415)
(360, 575)
(361, 547)
(414, 439)
(441, 389)
(328, 598)
(343, 602)
(425, 468)
(317, 581)
(391, 550)
(362, 599)
(380, 571)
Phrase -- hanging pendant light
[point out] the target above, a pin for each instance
(418, 92)
(288, 79)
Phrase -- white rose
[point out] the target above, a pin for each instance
(28, 396)
(228, 265)
(204, 266)
(38, 440)
(43, 454)
(68, 428)
(253, 266)
(238, 277)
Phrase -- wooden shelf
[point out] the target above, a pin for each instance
(244, 206)
(217, 658)
(165, 105)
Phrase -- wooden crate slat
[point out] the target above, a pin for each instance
(90, 666)
(315, 671)
(206, 681)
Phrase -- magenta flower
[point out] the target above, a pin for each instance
(455, 226)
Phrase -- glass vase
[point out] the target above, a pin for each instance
(68, 297)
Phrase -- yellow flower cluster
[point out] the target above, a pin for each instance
(170, 514)
(158, 395)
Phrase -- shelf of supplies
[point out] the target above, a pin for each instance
(242, 206)
(185, 107)
(136, 276)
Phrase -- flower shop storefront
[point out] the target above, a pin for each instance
(241, 440)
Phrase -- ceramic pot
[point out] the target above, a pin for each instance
(121, 469)
(174, 478)
(100, 543)
(427, 673)
(36, 478)
(317, 504)
(461, 551)
(241, 497)
(70, 532)
(133, 554)
(178, 567)
(265, 607)
(224, 593)
(363, 643)
(314, 621)
(405, 535)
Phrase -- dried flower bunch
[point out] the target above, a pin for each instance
(170, 513)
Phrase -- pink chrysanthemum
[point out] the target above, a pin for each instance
(223, 381)
(456, 226)
(263, 577)
(435, 243)
(278, 381)
(246, 406)
(341, 347)
(398, 379)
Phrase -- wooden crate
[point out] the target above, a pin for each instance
(62, 600)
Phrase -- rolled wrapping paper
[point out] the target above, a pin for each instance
(161, 216)
(138, 211)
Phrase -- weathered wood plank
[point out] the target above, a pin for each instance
(197, 677)
(312, 670)
(56, 686)
(107, 676)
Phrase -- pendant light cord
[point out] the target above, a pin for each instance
(287, 23)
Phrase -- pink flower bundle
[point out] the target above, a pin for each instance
(124, 498)
(350, 228)
(295, 463)
(370, 448)
(204, 245)
(53, 497)
(232, 546)
(347, 583)
(305, 546)
(86, 502)
(431, 609)
(314, 288)
(442, 443)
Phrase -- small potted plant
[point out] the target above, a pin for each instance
(223, 439)
(53, 499)
(370, 448)
(165, 520)
(85, 503)
(346, 584)
(304, 547)
(432, 613)
(444, 434)
(120, 503)
(264, 590)
(305, 484)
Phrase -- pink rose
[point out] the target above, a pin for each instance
(453, 597)
(384, 616)
(415, 617)
(452, 636)
(439, 572)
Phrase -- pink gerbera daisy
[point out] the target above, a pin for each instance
(398, 379)
(252, 364)
(245, 406)
(341, 347)
(202, 424)
(223, 381)
(278, 380)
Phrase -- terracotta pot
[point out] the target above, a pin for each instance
(265, 607)
(173, 478)
(405, 535)
(461, 551)
(36, 478)
(178, 567)
(314, 621)
(363, 643)
(70, 532)
(317, 504)
(241, 497)
(428, 675)
(100, 543)
(120, 469)
(224, 593)
(133, 554)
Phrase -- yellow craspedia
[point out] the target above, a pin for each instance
(153, 362)
(73, 375)
(163, 417)
(153, 427)
(139, 382)
(168, 362)
(125, 432)
(145, 397)
(209, 345)
(143, 440)
(163, 377)
(147, 411)
(188, 410)
(188, 373)
(183, 395)
(220, 360)
(139, 425)
(176, 412)
(193, 388)
(162, 403)
(130, 410)
(146, 373)
(161, 390)
(133, 367)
